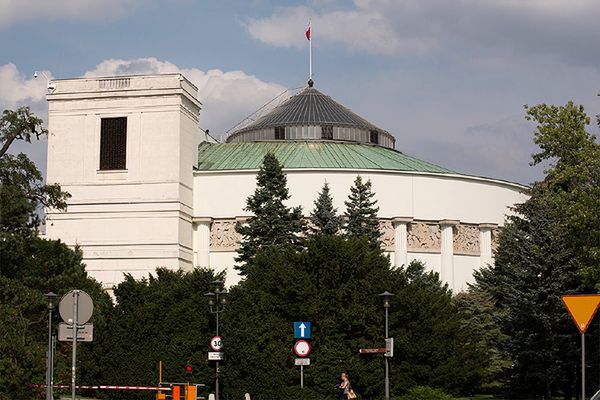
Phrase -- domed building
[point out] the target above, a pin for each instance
(150, 189)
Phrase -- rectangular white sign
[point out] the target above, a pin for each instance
(302, 361)
(215, 356)
(85, 333)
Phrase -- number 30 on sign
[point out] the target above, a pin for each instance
(216, 343)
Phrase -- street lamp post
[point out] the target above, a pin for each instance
(386, 297)
(50, 357)
(216, 302)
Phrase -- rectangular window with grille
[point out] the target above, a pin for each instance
(113, 143)
(327, 132)
(280, 133)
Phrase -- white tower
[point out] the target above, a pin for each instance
(124, 147)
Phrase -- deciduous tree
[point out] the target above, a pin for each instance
(544, 251)
(22, 188)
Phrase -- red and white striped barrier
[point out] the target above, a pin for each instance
(114, 387)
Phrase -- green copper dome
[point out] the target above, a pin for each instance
(309, 154)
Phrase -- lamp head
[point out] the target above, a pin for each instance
(385, 298)
(218, 283)
(222, 296)
(211, 298)
(51, 298)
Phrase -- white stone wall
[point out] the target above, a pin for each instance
(446, 221)
(131, 220)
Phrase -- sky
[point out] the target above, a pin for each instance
(448, 79)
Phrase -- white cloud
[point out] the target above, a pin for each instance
(14, 11)
(16, 89)
(400, 27)
(227, 97)
(362, 29)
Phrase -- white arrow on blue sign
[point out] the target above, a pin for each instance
(301, 330)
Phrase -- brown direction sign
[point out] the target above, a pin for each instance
(582, 308)
(372, 351)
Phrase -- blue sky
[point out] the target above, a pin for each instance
(448, 78)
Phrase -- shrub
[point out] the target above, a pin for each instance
(424, 393)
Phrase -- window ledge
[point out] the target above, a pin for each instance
(111, 171)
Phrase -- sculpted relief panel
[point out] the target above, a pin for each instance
(424, 236)
(466, 239)
(421, 236)
(223, 235)
(495, 239)
(387, 238)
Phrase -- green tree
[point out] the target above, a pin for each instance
(479, 327)
(22, 191)
(361, 212)
(434, 348)
(31, 266)
(272, 222)
(21, 352)
(335, 284)
(21, 124)
(534, 266)
(572, 181)
(541, 254)
(324, 217)
(162, 318)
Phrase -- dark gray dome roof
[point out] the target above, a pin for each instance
(310, 107)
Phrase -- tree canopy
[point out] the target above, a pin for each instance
(361, 212)
(272, 223)
(324, 218)
(335, 284)
(572, 181)
(22, 188)
(546, 250)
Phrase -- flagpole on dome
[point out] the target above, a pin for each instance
(309, 37)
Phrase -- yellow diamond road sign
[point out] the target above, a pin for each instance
(582, 308)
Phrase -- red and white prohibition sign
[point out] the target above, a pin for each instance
(302, 348)
(216, 343)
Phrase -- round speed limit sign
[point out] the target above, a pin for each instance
(216, 343)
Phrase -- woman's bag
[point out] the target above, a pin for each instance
(352, 395)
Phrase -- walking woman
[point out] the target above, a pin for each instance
(344, 387)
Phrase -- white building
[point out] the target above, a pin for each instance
(149, 190)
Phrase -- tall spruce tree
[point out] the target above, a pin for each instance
(273, 223)
(361, 212)
(324, 217)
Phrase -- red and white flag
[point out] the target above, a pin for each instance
(308, 31)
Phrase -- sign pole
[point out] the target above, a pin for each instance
(217, 366)
(582, 308)
(582, 366)
(74, 360)
(302, 377)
